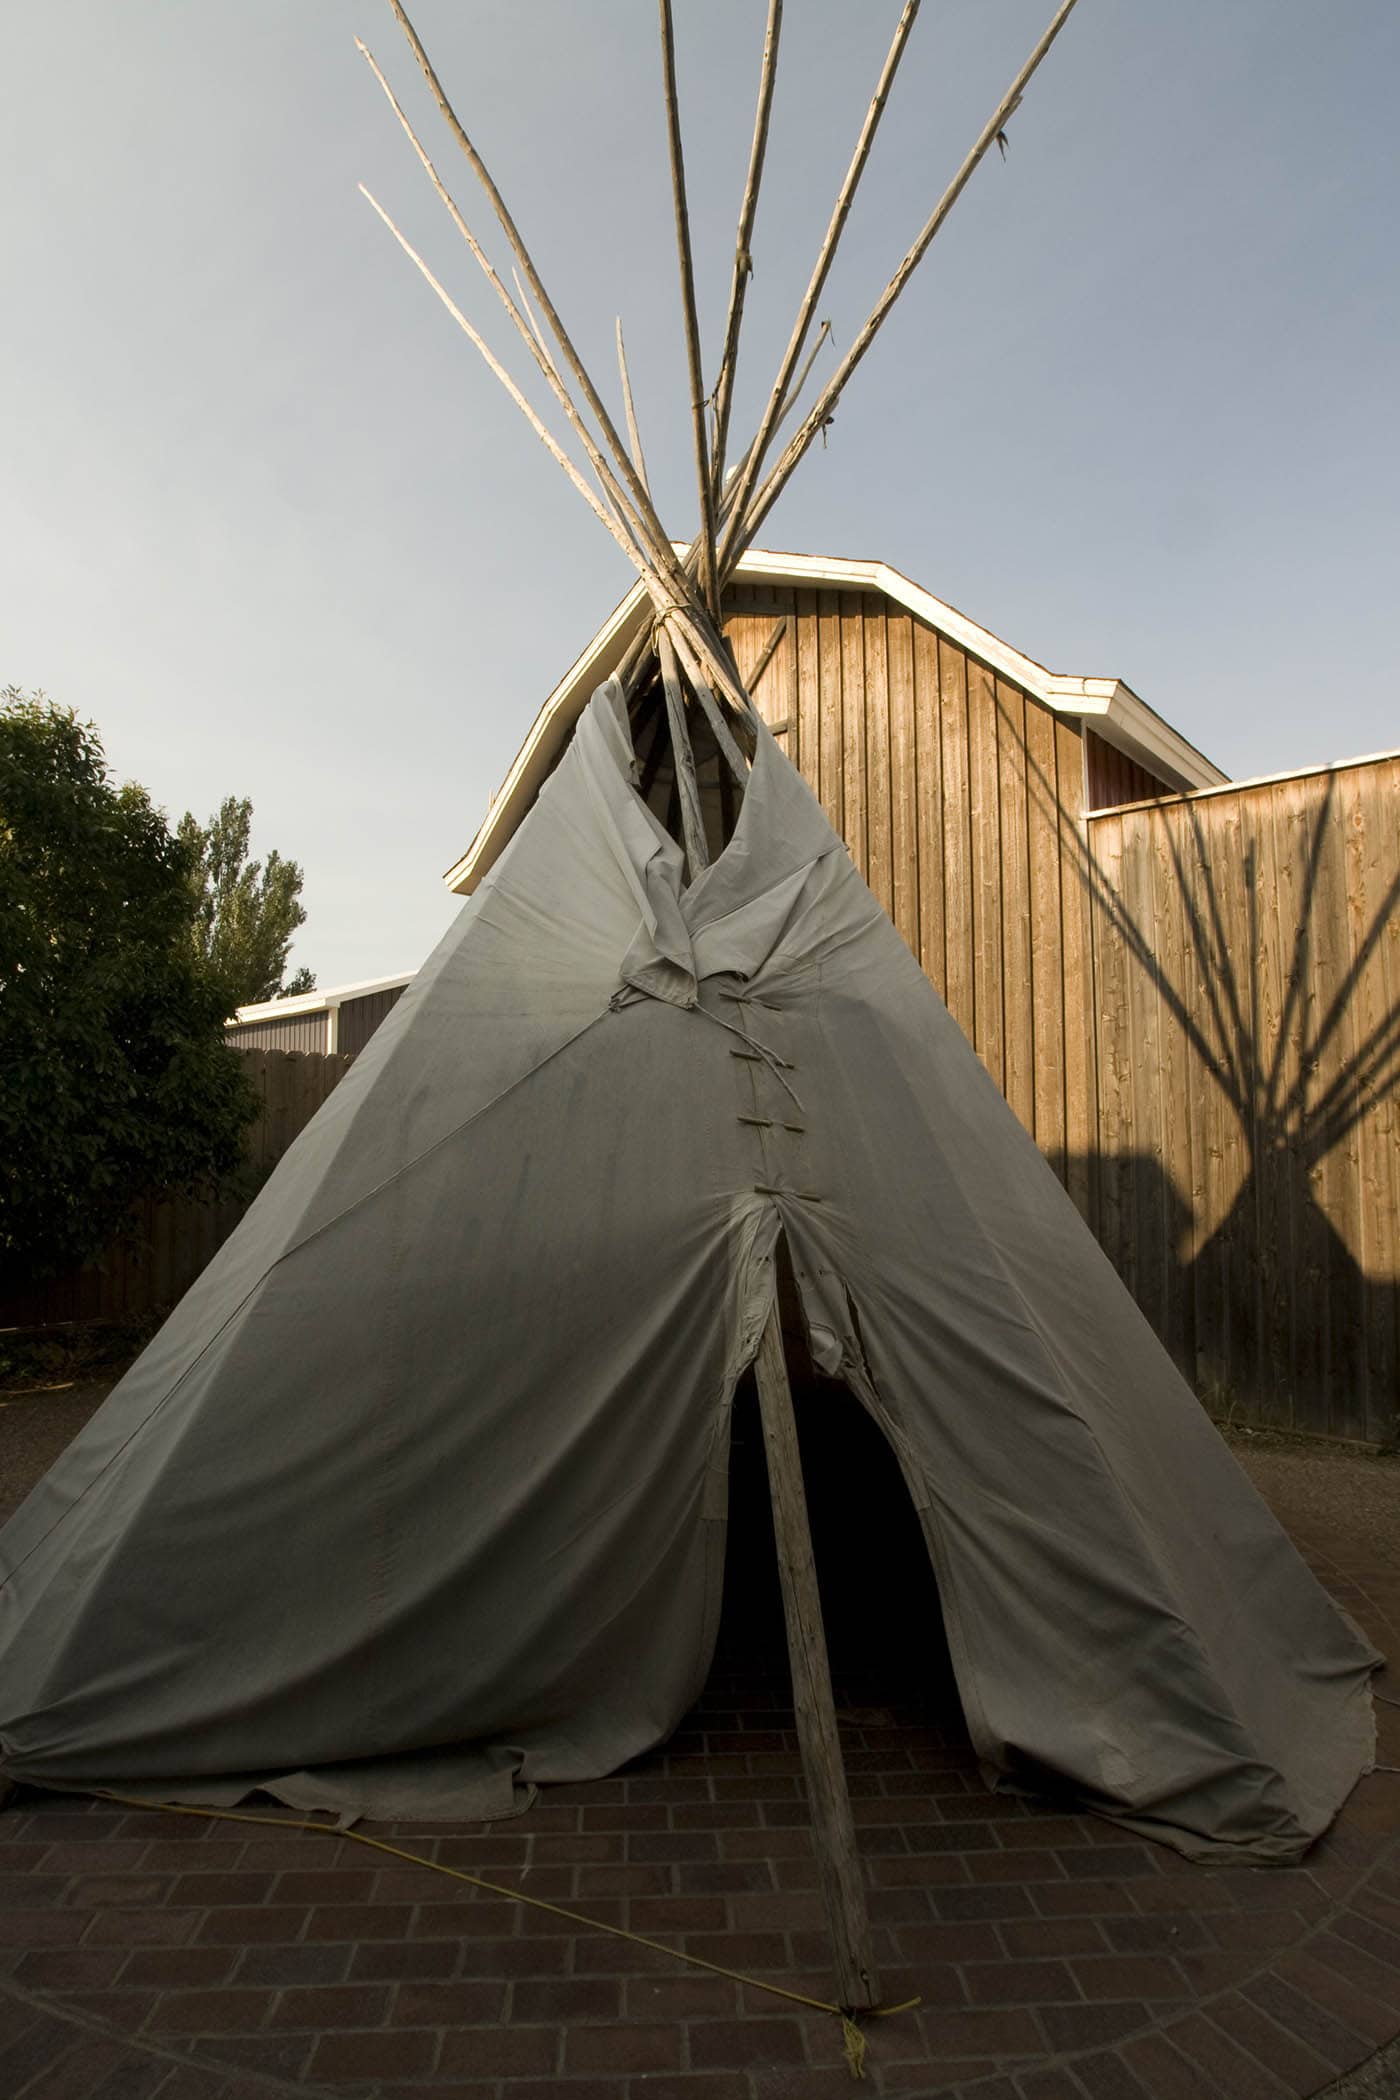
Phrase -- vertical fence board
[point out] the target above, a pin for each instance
(830, 726)
(1365, 897)
(1047, 957)
(904, 779)
(929, 842)
(1018, 992)
(989, 1035)
(1113, 1060)
(1333, 1141)
(1293, 837)
(879, 871)
(957, 838)
(1178, 1327)
(809, 693)
(1382, 799)
(1270, 1071)
(853, 710)
(1144, 1199)
(1083, 1176)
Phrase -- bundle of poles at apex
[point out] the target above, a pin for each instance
(681, 661)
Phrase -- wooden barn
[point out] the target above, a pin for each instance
(1188, 989)
(958, 771)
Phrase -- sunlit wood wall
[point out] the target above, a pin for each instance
(1193, 1005)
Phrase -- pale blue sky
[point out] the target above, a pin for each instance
(267, 520)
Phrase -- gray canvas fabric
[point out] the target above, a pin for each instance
(418, 1498)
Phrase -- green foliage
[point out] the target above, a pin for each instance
(246, 912)
(115, 1080)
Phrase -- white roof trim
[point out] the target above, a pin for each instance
(1119, 716)
(318, 1002)
(1260, 780)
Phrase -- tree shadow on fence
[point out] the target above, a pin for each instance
(1290, 1052)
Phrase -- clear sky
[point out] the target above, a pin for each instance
(267, 520)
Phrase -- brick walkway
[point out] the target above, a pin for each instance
(145, 1955)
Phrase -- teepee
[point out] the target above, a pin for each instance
(418, 1499)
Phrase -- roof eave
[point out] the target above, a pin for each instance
(1116, 711)
(318, 1002)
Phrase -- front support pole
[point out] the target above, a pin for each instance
(833, 1830)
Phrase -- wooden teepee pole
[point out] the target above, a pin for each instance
(692, 819)
(658, 545)
(607, 518)
(821, 270)
(645, 529)
(833, 1828)
(634, 435)
(630, 668)
(743, 527)
(708, 587)
(743, 260)
(700, 685)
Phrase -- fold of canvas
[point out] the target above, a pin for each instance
(419, 1496)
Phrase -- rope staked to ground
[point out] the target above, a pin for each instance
(850, 2021)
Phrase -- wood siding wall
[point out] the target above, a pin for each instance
(1112, 777)
(1247, 955)
(1194, 1005)
(360, 1017)
(172, 1239)
(953, 790)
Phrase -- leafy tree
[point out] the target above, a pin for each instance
(247, 911)
(115, 1080)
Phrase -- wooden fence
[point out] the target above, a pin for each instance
(1246, 1172)
(171, 1239)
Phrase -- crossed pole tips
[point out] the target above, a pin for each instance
(687, 592)
(683, 645)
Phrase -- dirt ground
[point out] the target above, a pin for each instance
(1312, 1487)
(34, 1429)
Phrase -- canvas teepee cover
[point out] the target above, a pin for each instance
(420, 1494)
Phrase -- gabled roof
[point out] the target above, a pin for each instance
(318, 1002)
(1114, 710)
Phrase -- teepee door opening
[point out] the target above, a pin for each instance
(881, 1609)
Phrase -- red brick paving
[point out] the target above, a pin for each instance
(145, 1957)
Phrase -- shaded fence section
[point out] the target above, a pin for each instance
(172, 1238)
(1246, 950)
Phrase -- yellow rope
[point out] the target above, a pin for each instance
(850, 2020)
